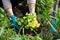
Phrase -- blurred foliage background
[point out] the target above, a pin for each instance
(44, 9)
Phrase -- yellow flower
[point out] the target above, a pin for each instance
(38, 25)
(24, 17)
(32, 21)
(33, 24)
(34, 18)
(29, 20)
(19, 23)
(26, 13)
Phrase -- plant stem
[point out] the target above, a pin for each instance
(23, 31)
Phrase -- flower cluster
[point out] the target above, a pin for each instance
(29, 21)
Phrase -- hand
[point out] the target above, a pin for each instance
(14, 22)
(54, 23)
(33, 14)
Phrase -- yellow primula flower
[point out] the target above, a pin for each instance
(34, 18)
(24, 17)
(31, 20)
(34, 24)
(19, 23)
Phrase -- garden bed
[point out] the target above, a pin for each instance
(43, 8)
